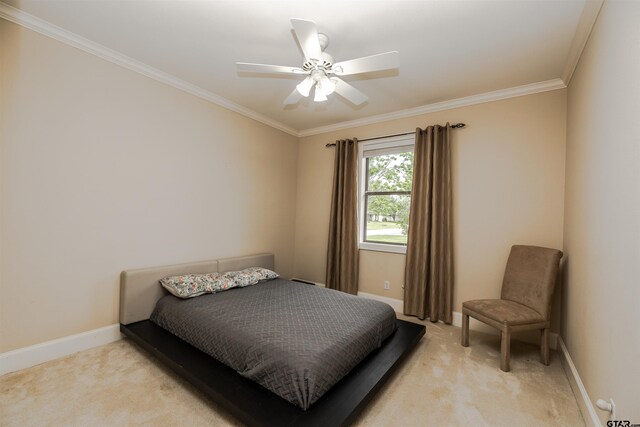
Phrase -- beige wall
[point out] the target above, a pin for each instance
(602, 211)
(508, 169)
(104, 169)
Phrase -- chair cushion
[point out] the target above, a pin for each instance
(504, 311)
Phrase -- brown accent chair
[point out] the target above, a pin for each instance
(525, 303)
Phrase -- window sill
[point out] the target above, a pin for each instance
(381, 247)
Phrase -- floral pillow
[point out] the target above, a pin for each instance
(263, 274)
(193, 285)
(250, 276)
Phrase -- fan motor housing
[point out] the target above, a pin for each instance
(324, 40)
(327, 59)
(324, 65)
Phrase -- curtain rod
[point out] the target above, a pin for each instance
(454, 126)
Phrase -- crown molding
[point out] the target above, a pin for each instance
(48, 29)
(497, 95)
(583, 31)
(587, 20)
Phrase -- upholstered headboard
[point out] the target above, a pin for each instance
(140, 289)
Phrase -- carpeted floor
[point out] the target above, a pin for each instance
(441, 384)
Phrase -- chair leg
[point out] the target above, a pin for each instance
(544, 346)
(465, 330)
(505, 349)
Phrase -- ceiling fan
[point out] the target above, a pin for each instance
(320, 70)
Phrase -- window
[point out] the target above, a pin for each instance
(385, 193)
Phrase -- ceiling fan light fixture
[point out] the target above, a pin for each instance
(326, 86)
(318, 66)
(305, 86)
(319, 96)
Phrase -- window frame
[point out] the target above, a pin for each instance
(395, 144)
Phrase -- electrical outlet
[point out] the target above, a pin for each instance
(387, 286)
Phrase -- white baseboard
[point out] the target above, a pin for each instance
(584, 402)
(27, 357)
(393, 302)
(474, 325)
(397, 304)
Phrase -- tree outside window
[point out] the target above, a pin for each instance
(387, 197)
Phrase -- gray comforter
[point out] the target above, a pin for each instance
(294, 339)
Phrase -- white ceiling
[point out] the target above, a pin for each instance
(449, 49)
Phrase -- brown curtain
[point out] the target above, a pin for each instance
(342, 251)
(428, 288)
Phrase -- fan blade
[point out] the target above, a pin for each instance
(263, 68)
(349, 92)
(381, 61)
(307, 35)
(293, 97)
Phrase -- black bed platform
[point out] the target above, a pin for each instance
(256, 406)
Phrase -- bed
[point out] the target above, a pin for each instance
(278, 351)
